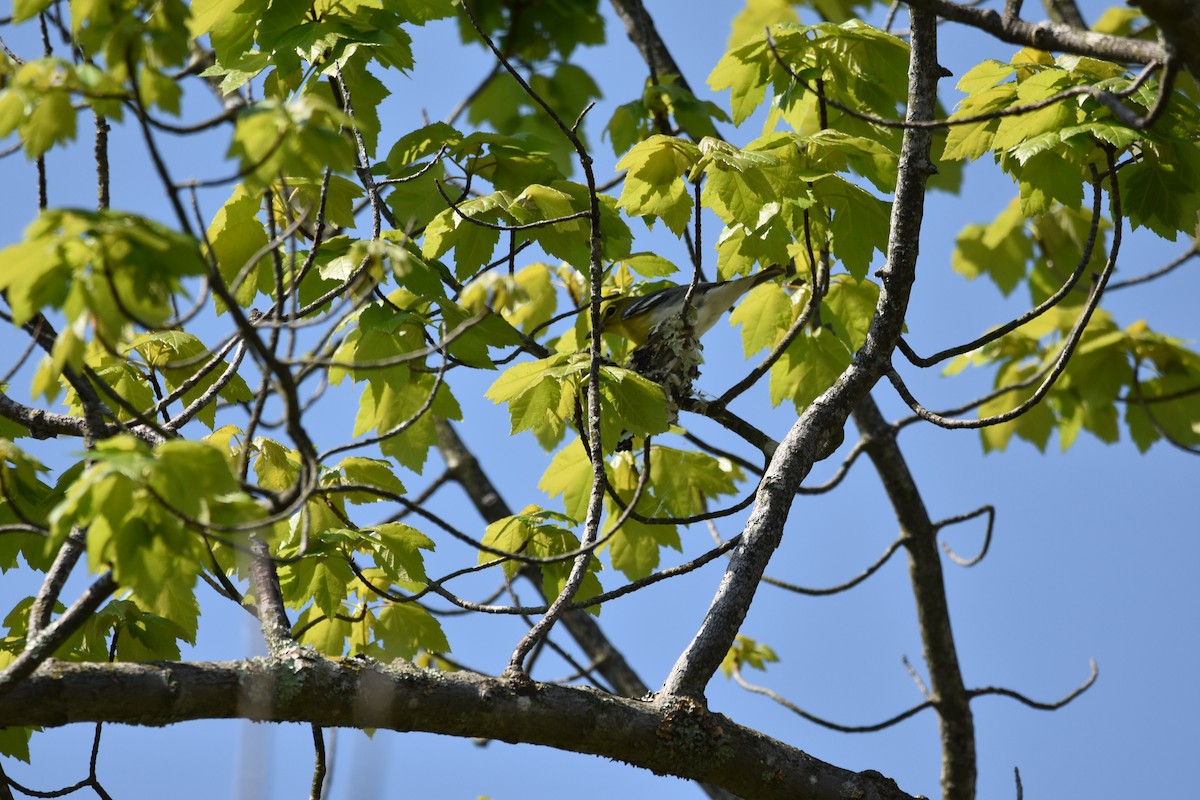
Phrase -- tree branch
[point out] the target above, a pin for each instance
(40, 648)
(1045, 36)
(1179, 23)
(645, 37)
(668, 738)
(949, 695)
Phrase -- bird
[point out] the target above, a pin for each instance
(635, 317)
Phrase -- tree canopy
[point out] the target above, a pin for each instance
(282, 342)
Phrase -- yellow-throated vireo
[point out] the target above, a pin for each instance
(634, 317)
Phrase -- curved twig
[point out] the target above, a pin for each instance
(824, 723)
(990, 511)
(1057, 704)
(1144, 404)
(1187, 256)
(1059, 364)
(841, 587)
(1033, 313)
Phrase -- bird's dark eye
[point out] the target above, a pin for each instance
(610, 312)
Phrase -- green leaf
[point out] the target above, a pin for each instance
(685, 480)
(639, 404)
(757, 15)
(405, 628)
(1016, 128)
(858, 64)
(859, 224)
(23, 10)
(1061, 236)
(638, 120)
(276, 467)
(416, 201)
(548, 541)
(654, 185)
(51, 122)
(570, 475)
(740, 248)
(1034, 426)
(398, 552)
(745, 72)
(764, 314)
(14, 742)
(301, 138)
(1000, 250)
(747, 652)
(507, 108)
(808, 367)
(159, 90)
(421, 143)
(322, 576)
(1048, 177)
(837, 152)
(392, 401)
(105, 269)
(984, 75)
(1160, 190)
(207, 14)
(509, 163)
(473, 244)
(142, 536)
(235, 235)
(326, 635)
(166, 350)
(383, 333)
(371, 472)
(193, 476)
(304, 198)
(141, 636)
(521, 378)
(628, 125)
(540, 395)
(736, 187)
(421, 11)
(634, 548)
(527, 300)
(125, 379)
(649, 265)
(533, 532)
(851, 305)
(25, 496)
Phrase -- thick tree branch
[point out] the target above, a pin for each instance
(272, 615)
(56, 578)
(608, 661)
(646, 39)
(1179, 23)
(949, 695)
(1045, 36)
(667, 737)
(40, 648)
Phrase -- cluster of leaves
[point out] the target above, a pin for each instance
(128, 45)
(338, 602)
(103, 271)
(1048, 151)
(1041, 239)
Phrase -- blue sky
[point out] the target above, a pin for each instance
(1093, 555)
